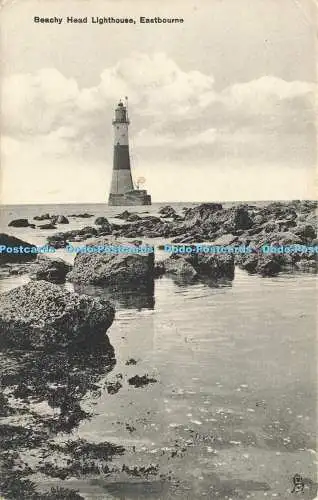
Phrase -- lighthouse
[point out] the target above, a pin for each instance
(122, 190)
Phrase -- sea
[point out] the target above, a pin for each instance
(232, 412)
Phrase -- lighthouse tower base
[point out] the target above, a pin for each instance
(136, 197)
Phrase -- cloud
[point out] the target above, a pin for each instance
(158, 90)
(177, 116)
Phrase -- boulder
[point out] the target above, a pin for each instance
(304, 264)
(269, 265)
(19, 223)
(258, 220)
(167, 211)
(133, 218)
(123, 215)
(211, 219)
(112, 268)
(49, 269)
(216, 266)
(82, 216)
(59, 219)
(58, 240)
(306, 232)
(225, 240)
(10, 241)
(149, 226)
(201, 213)
(259, 263)
(241, 218)
(247, 262)
(42, 217)
(212, 266)
(179, 266)
(102, 221)
(276, 238)
(42, 315)
(49, 225)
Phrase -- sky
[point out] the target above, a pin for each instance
(221, 106)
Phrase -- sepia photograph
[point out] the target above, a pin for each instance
(158, 250)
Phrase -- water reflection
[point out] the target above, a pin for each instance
(188, 281)
(57, 379)
(133, 296)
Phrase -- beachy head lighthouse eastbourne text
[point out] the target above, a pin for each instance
(108, 20)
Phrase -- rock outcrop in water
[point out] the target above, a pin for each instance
(167, 211)
(19, 223)
(42, 217)
(61, 240)
(12, 241)
(55, 219)
(194, 266)
(102, 221)
(49, 269)
(112, 268)
(49, 225)
(43, 315)
(281, 222)
(60, 219)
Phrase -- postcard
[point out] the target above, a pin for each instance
(158, 249)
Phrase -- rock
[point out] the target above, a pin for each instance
(141, 381)
(159, 269)
(101, 221)
(258, 220)
(58, 240)
(82, 232)
(241, 218)
(167, 211)
(179, 266)
(112, 268)
(19, 223)
(10, 241)
(82, 216)
(177, 217)
(197, 265)
(306, 232)
(131, 361)
(270, 227)
(59, 219)
(149, 227)
(133, 218)
(49, 225)
(42, 217)
(216, 266)
(151, 219)
(225, 240)
(247, 262)
(269, 265)
(123, 215)
(210, 220)
(49, 269)
(43, 315)
(113, 387)
(201, 213)
(259, 263)
(307, 264)
(276, 238)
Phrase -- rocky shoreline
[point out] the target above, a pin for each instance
(61, 336)
(277, 223)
